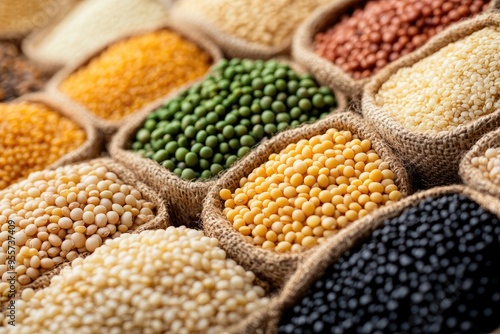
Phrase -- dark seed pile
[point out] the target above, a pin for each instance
(209, 126)
(434, 269)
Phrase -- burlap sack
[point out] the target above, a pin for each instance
(233, 47)
(434, 157)
(184, 198)
(30, 45)
(273, 266)
(310, 270)
(92, 146)
(323, 69)
(107, 127)
(161, 220)
(471, 175)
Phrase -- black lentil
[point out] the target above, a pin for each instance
(209, 126)
(433, 269)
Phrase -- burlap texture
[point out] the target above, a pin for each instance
(434, 157)
(233, 47)
(161, 220)
(325, 255)
(471, 175)
(326, 71)
(92, 146)
(184, 198)
(273, 266)
(107, 127)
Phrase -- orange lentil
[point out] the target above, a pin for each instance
(134, 72)
(32, 136)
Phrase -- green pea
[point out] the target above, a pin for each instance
(282, 126)
(292, 101)
(211, 130)
(172, 129)
(210, 105)
(157, 134)
(295, 112)
(325, 90)
(258, 93)
(281, 97)
(312, 91)
(220, 125)
(247, 140)
(278, 106)
(256, 119)
(204, 164)
(174, 106)
(136, 146)
(303, 118)
(307, 82)
(243, 151)
(180, 153)
(158, 144)
(280, 73)
(270, 128)
(228, 131)
(283, 117)
(218, 157)
(171, 147)
(246, 123)
(188, 174)
(245, 100)
(240, 130)
(206, 174)
(258, 131)
(196, 148)
(292, 86)
(294, 124)
(183, 141)
(212, 118)
(223, 148)
(305, 104)
(280, 84)
(231, 119)
(150, 124)
(329, 100)
(200, 124)
(191, 159)
(267, 117)
(246, 90)
(229, 73)
(302, 93)
(201, 136)
(167, 138)
(187, 107)
(216, 169)
(255, 108)
(266, 102)
(270, 90)
(224, 84)
(178, 171)
(143, 135)
(231, 160)
(187, 120)
(234, 144)
(211, 141)
(190, 132)
(220, 137)
(313, 119)
(244, 111)
(220, 110)
(268, 78)
(168, 164)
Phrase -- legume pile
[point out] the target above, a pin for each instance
(489, 164)
(382, 31)
(20, 17)
(269, 23)
(174, 280)
(119, 82)
(17, 75)
(309, 191)
(74, 36)
(454, 86)
(209, 126)
(61, 213)
(32, 136)
(434, 269)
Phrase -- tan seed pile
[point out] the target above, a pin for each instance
(164, 281)
(269, 23)
(456, 85)
(61, 213)
(489, 164)
(310, 191)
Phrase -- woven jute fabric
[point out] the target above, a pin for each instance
(233, 47)
(433, 157)
(472, 176)
(303, 48)
(161, 220)
(325, 255)
(107, 127)
(92, 146)
(184, 198)
(276, 267)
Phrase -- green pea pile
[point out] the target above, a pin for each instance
(208, 127)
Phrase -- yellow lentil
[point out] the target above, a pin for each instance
(134, 72)
(300, 215)
(32, 136)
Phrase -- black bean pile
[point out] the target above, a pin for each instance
(434, 269)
